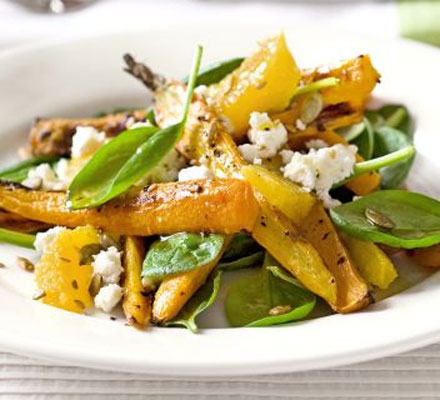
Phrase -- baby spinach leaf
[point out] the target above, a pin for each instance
(243, 252)
(216, 72)
(19, 172)
(415, 218)
(252, 260)
(365, 141)
(17, 238)
(266, 297)
(394, 116)
(375, 118)
(94, 184)
(241, 245)
(181, 252)
(393, 130)
(201, 300)
(389, 140)
(349, 133)
(145, 157)
(125, 160)
(151, 117)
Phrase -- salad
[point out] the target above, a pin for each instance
(249, 164)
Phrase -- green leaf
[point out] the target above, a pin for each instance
(181, 252)
(351, 132)
(216, 72)
(365, 141)
(243, 252)
(252, 260)
(95, 183)
(378, 163)
(416, 218)
(147, 156)
(19, 172)
(241, 245)
(251, 299)
(201, 300)
(126, 159)
(315, 86)
(394, 116)
(17, 238)
(375, 118)
(389, 140)
(151, 117)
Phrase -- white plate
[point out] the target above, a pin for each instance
(80, 77)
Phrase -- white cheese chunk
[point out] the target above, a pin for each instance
(196, 172)
(86, 141)
(320, 169)
(249, 152)
(44, 239)
(107, 263)
(66, 171)
(266, 138)
(108, 297)
(43, 177)
(286, 156)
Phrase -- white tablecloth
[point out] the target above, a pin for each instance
(409, 376)
(414, 375)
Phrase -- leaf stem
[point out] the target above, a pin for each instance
(377, 163)
(17, 238)
(315, 86)
(396, 118)
(192, 81)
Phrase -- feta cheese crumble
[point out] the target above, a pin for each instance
(108, 297)
(44, 239)
(320, 169)
(86, 141)
(267, 137)
(107, 263)
(66, 171)
(196, 172)
(286, 156)
(43, 177)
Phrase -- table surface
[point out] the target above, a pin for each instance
(407, 376)
(414, 375)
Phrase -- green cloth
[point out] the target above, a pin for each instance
(420, 20)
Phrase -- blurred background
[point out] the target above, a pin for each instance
(25, 21)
